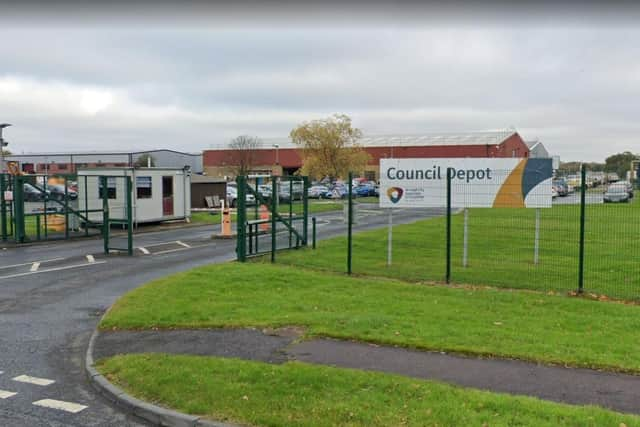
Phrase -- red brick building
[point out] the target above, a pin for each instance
(280, 156)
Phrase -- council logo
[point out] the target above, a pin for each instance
(395, 194)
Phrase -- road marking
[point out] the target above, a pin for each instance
(182, 244)
(29, 263)
(33, 380)
(74, 408)
(144, 250)
(50, 269)
(35, 266)
(91, 259)
(6, 394)
(168, 251)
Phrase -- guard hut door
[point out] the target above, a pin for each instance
(167, 195)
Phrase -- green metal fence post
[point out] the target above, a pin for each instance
(583, 190)
(86, 207)
(290, 208)
(313, 230)
(305, 210)
(129, 215)
(274, 207)
(37, 227)
(104, 194)
(448, 272)
(18, 197)
(241, 218)
(350, 224)
(66, 207)
(3, 208)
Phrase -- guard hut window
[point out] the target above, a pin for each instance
(143, 187)
(111, 188)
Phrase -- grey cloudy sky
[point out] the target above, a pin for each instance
(108, 85)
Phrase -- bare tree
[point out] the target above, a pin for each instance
(243, 154)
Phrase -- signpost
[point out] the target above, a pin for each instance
(467, 183)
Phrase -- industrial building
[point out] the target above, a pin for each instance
(279, 156)
(69, 163)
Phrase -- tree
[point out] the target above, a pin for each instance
(243, 154)
(143, 161)
(330, 147)
(620, 163)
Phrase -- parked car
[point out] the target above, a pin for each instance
(365, 190)
(232, 196)
(317, 191)
(616, 193)
(32, 194)
(338, 191)
(561, 187)
(628, 186)
(56, 192)
(554, 192)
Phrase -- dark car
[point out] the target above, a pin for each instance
(32, 194)
(365, 190)
(57, 192)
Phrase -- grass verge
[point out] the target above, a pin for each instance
(493, 322)
(315, 206)
(297, 394)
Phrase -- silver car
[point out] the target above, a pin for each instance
(616, 193)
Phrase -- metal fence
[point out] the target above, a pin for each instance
(579, 244)
(53, 207)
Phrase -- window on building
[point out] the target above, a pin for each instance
(111, 187)
(62, 166)
(513, 153)
(143, 187)
(370, 175)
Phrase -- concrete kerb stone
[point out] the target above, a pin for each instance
(151, 413)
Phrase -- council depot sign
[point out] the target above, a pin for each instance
(475, 182)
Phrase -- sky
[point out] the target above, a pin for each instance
(126, 79)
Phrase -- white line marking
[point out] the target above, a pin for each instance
(168, 251)
(6, 394)
(144, 250)
(29, 263)
(91, 259)
(35, 266)
(182, 244)
(51, 269)
(74, 408)
(33, 380)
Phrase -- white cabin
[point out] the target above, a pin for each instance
(158, 194)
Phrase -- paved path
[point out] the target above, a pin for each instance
(619, 392)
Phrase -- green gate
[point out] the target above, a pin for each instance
(271, 216)
(52, 207)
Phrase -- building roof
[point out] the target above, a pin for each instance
(434, 139)
(205, 179)
(98, 153)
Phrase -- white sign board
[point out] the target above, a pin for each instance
(475, 182)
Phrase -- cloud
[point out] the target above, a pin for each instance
(71, 89)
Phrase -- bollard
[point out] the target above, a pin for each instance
(226, 222)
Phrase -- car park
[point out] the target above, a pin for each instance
(57, 192)
(616, 193)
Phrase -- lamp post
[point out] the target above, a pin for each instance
(3, 144)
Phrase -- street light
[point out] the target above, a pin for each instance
(3, 144)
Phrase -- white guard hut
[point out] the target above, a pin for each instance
(158, 194)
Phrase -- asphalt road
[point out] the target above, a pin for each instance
(52, 296)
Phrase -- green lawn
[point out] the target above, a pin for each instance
(501, 250)
(297, 394)
(493, 322)
(315, 206)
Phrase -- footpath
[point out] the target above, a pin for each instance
(616, 391)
